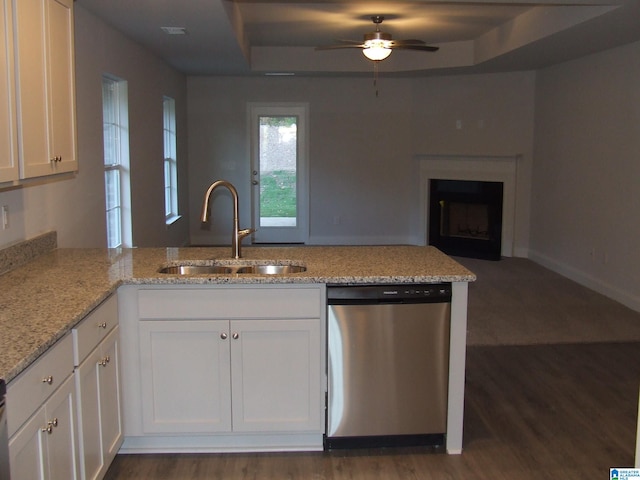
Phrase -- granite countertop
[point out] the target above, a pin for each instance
(43, 299)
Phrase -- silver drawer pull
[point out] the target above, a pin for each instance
(223, 336)
(102, 325)
(235, 336)
(48, 380)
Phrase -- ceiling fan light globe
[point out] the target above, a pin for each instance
(376, 54)
(376, 50)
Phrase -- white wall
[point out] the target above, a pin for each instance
(75, 206)
(586, 173)
(362, 147)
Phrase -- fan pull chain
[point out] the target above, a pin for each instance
(375, 76)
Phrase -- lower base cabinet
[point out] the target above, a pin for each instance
(223, 368)
(96, 342)
(99, 408)
(222, 376)
(45, 447)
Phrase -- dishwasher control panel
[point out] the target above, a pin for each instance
(407, 293)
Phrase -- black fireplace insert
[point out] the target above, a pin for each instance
(465, 218)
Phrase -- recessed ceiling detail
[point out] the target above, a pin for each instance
(252, 37)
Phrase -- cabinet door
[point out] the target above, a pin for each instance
(185, 372)
(100, 409)
(26, 449)
(8, 132)
(110, 398)
(44, 79)
(89, 414)
(276, 375)
(62, 446)
(45, 447)
(31, 78)
(61, 85)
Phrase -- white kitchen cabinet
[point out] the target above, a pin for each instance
(238, 375)
(8, 134)
(97, 357)
(185, 376)
(223, 368)
(276, 375)
(44, 446)
(45, 84)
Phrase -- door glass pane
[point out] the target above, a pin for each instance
(278, 154)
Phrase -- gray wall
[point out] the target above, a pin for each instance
(362, 148)
(75, 207)
(576, 184)
(586, 173)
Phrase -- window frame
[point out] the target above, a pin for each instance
(115, 121)
(170, 162)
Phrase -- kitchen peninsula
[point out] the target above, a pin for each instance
(44, 299)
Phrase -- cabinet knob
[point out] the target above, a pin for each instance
(223, 336)
(102, 325)
(48, 380)
(104, 361)
(50, 426)
(235, 335)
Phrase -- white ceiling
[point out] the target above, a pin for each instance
(248, 37)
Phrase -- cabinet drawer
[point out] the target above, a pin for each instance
(94, 328)
(229, 303)
(31, 389)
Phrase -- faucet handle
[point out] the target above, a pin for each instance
(246, 231)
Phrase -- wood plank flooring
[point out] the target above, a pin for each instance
(532, 412)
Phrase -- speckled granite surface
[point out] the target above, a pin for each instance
(23, 252)
(42, 300)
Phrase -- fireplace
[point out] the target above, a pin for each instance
(465, 217)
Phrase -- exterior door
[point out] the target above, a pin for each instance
(279, 173)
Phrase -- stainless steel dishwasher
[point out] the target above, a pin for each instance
(388, 365)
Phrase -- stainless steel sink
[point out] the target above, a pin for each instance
(232, 269)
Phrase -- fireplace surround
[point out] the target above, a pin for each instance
(488, 168)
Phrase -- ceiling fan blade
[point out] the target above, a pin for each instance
(336, 47)
(406, 42)
(423, 48)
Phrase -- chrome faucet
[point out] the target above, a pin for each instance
(237, 235)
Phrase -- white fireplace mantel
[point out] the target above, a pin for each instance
(501, 168)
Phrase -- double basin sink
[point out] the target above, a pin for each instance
(233, 267)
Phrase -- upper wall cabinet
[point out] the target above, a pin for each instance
(8, 135)
(45, 84)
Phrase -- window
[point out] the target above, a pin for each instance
(115, 119)
(170, 161)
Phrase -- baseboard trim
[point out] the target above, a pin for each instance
(615, 293)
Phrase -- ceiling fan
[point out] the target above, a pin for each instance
(377, 45)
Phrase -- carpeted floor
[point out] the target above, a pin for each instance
(518, 302)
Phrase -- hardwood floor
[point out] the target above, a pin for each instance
(532, 412)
